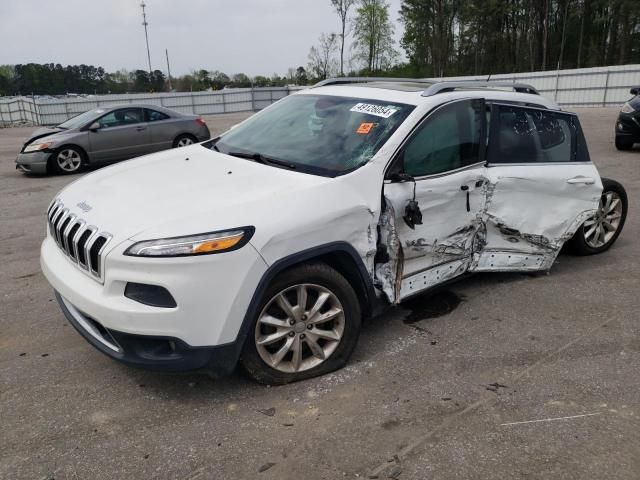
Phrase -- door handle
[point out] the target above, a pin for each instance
(581, 180)
(139, 129)
(465, 188)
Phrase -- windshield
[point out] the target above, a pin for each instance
(319, 134)
(82, 119)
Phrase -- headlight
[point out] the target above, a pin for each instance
(203, 244)
(34, 147)
(627, 108)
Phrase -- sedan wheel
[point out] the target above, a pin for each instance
(68, 160)
(601, 228)
(183, 141)
(299, 328)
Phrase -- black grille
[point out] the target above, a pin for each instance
(83, 243)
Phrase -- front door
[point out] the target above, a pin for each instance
(123, 134)
(541, 187)
(442, 166)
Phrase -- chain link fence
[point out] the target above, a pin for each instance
(585, 87)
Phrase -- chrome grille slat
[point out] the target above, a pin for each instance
(85, 253)
(51, 215)
(77, 239)
(65, 233)
(54, 218)
(73, 251)
(95, 269)
(87, 248)
(58, 224)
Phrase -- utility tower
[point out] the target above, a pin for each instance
(146, 37)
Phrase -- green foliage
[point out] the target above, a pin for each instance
(462, 37)
(54, 79)
(373, 33)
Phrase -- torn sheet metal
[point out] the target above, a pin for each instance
(533, 210)
(451, 220)
(516, 218)
(388, 267)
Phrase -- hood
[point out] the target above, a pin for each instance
(180, 192)
(42, 132)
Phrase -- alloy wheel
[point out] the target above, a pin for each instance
(184, 141)
(600, 229)
(299, 328)
(68, 160)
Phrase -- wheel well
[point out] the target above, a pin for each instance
(82, 151)
(185, 134)
(344, 263)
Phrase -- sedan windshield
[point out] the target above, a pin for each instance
(318, 134)
(82, 119)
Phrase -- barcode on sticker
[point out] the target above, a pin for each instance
(377, 110)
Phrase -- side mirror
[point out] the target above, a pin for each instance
(400, 177)
(635, 91)
(94, 126)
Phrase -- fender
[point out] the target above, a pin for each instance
(233, 350)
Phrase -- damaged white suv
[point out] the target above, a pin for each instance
(269, 244)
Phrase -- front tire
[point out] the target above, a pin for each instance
(307, 324)
(599, 232)
(184, 140)
(67, 160)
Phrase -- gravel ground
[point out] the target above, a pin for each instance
(433, 391)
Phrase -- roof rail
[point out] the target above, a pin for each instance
(440, 87)
(346, 80)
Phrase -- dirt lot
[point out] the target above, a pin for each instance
(425, 396)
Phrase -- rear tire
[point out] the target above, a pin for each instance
(599, 232)
(67, 160)
(184, 140)
(623, 145)
(291, 338)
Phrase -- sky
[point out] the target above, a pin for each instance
(256, 37)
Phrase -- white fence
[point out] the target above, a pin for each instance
(39, 111)
(582, 87)
(588, 87)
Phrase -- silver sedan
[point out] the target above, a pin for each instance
(107, 135)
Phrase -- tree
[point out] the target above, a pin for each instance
(374, 35)
(342, 8)
(7, 74)
(260, 81)
(321, 61)
(480, 37)
(157, 80)
(301, 76)
(240, 80)
(219, 80)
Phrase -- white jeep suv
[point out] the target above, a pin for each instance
(269, 244)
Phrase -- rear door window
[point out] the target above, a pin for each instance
(531, 135)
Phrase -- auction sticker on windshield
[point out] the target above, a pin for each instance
(377, 110)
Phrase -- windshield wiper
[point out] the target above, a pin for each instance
(258, 157)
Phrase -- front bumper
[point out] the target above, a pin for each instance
(628, 127)
(212, 293)
(148, 352)
(35, 162)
